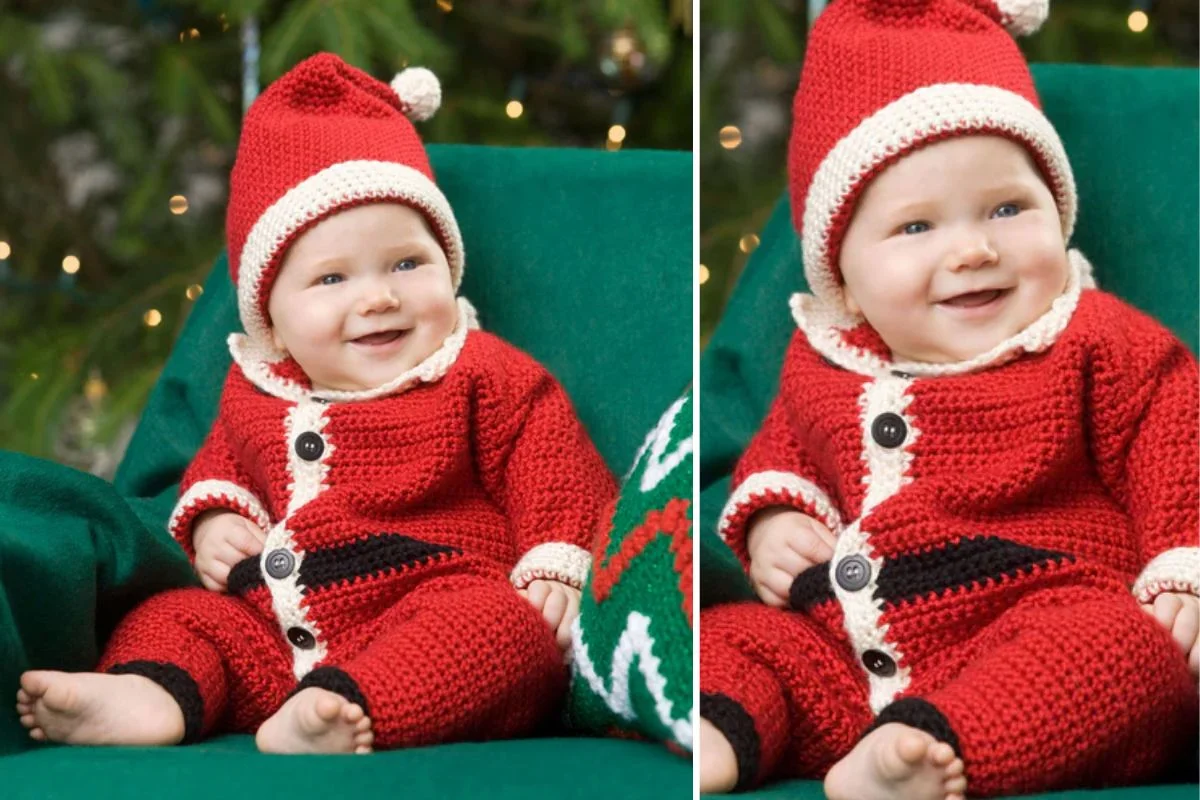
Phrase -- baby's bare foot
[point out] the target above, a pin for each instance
(896, 762)
(95, 708)
(316, 721)
(718, 764)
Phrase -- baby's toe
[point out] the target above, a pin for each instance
(912, 747)
(37, 734)
(352, 713)
(955, 785)
(941, 754)
(327, 708)
(363, 724)
(954, 769)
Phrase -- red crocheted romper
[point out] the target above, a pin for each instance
(397, 528)
(991, 523)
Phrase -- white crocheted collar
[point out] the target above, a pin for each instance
(268, 368)
(831, 330)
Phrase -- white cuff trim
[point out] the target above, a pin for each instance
(1176, 570)
(758, 484)
(226, 494)
(554, 561)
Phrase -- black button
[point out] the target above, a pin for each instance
(853, 573)
(309, 446)
(878, 663)
(301, 638)
(323, 401)
(888, 430)
(280, 563)
(896, 373)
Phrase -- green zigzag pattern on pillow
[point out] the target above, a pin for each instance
(632, 643)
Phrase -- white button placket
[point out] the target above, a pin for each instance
(887, 471)
(307, 470)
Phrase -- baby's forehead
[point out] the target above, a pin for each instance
(953, 166)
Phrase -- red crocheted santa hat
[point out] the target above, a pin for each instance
(322, 138)
(883, 77)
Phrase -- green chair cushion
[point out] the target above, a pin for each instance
(1132, 137)
(583, 258)
(230, 767)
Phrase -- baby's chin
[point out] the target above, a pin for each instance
(370, 376)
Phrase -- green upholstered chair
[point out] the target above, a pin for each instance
(582, 258)
(1131, 135)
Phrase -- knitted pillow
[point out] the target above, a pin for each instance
(632, 643)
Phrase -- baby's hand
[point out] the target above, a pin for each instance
(782, 543)
(1179, 613)
(559, 604)
(222, 539)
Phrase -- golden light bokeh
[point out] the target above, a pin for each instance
(748, 243)
(178, 204)
(703, 275)
(194, 291)
(616, 133)
(1138, 21)
(514, 109)
(5, 250)
(70, 265)
(152, 318)
(730, 137)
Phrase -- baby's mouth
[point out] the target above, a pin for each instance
(379, 338)
(975, 299)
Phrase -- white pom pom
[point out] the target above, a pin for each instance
(419, 91)
(1023, 17)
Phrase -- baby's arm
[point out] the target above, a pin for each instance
(1143, 421)
(782, 543)
(215, 480)
(537, 462)
(777, 470)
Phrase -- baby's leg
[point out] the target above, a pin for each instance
(162, 679)
(460, 657)
(1073, 688)
(780, 692)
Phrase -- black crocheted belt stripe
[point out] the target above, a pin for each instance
(974, 559)
(364, 558)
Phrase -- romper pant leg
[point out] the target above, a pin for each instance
(1071, 688)
(461, 657)
(213, 654)
(781, 690)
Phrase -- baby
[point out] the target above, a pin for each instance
(974, 455)
(392, 512)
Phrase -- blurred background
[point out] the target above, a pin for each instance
(751, 53)
(119, 126)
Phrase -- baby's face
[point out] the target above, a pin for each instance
(363, 296)
(953, 249)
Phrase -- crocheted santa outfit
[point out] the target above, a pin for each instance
(398, 519)
(991, 515)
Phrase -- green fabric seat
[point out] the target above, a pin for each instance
(582, 258)
(1131, 135)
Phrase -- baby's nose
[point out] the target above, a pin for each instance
(377, 300)
(973, 252)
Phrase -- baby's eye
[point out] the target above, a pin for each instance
(405, 265)
(1007, 210)
(913, 228)
(330, 279)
